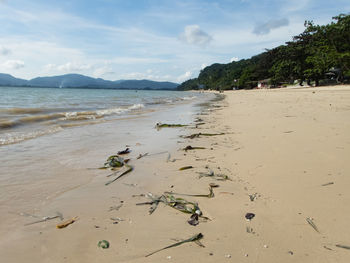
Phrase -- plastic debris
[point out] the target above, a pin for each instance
(103, 244)
(193, 221)
(249, 216)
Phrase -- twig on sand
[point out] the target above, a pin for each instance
(47, 218)
(186, 168)
(67, 223)
(141, 155)
(189, 147)
(197, 135)
(312, 224)
(195, 239)
(128, 170)
(210, 195)
(343, 246)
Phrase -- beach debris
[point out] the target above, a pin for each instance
(115, 207)
(47, 218)
(249, 216)
(342, 246)
(213, 185)
(312, 224)
(328, 248)
(128, 170)
(113, 161)
(196, 238)
(193, 221)
(210, 195)
(253, 197)
(179, 204)
(141, 155)
(67, 223)
(126, 151)
(103, 244)
(227, 193)
(198, 120)
(228, 256)
(218, 177)
(330, 183)
(189, 147)
(186, 168)
(250, 230)
(160, 125)
(169, 158)
(131, 185)
(116, 220)
(197, 135)
(290, 252)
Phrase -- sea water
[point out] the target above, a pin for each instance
(28, 113)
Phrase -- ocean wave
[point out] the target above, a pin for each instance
(11, 138)
(8, 123)
(189, 98)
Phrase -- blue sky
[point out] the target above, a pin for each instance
(162, 40)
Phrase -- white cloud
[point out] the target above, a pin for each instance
(187, 75)
(50, 67)
(13, 64)
(137, 60)
(265, 28)
(235, 59)
(296, 5)
(102, 71)
(4, 51)
(195, 36)
(73, 66)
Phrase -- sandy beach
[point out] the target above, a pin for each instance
(285, 153)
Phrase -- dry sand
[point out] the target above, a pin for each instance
(288, 147)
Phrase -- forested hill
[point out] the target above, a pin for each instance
(317, 54)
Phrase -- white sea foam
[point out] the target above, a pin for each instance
(10, 138)
(189, 98)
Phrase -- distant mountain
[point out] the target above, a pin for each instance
(81, 81)
(8, 80)
(145, 84)
(71, 81)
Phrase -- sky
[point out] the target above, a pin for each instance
(161, 40)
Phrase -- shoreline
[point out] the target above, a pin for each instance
(286, 154)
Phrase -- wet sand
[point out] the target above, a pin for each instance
(286, 152)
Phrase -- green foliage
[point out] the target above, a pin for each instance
(309, 56)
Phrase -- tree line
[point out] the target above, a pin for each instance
(319, 55)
